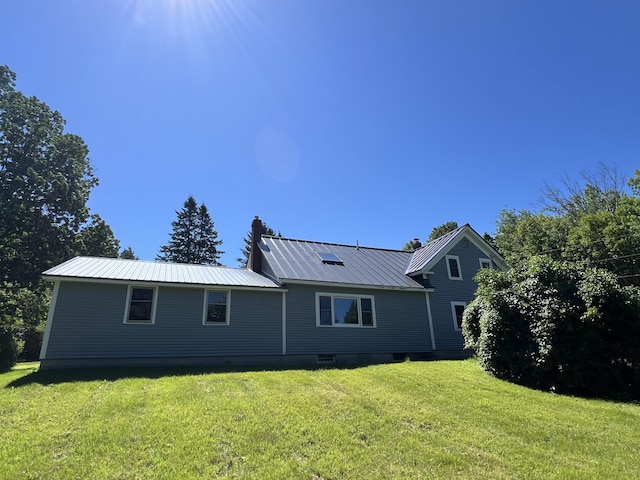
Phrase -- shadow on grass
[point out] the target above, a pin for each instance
(88, 374)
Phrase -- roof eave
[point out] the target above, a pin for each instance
(297, 281)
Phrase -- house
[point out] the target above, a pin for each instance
(299, 303)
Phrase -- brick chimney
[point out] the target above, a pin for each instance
(255, 257)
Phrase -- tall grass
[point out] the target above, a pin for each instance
(408, 420)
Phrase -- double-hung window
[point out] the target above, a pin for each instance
(344, 310)
(486, 263)
(216, 307)
(141, 305)
(453, 267)
(457, 310)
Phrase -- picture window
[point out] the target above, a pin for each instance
(333, 310)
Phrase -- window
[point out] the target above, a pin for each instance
(344, 310)
(216, 307)
(457, 309)
(453, 267)
(486, 263)
(141, 306)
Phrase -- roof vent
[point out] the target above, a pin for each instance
(329, 258)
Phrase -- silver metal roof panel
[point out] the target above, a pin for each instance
(92, 268)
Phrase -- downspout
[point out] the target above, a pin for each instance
(47, 330)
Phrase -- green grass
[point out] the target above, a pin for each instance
(407, 420)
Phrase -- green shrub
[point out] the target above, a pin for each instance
(8, 349)
(554, 326)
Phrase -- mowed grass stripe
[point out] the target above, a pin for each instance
(406, 420)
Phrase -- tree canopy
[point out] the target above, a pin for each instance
(436, 232)
(193, 239)
(595, 224)
(45, 181)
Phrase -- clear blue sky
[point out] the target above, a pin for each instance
(333, 120)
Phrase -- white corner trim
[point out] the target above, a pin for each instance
(433, 337)
(47, 330)
(284, 323)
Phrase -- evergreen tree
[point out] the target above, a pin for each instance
(194, 239)
(246, 250)
(128, 254)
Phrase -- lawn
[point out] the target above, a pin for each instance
(404, 420)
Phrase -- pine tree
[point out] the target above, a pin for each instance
(194, 239)
(128, 254)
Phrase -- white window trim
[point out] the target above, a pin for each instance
(154, 304)
(347, 296)
(453, 314)
(486, 260)
(206, 303)
(457, 259)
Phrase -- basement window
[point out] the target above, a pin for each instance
(326, 359)
(329, 258)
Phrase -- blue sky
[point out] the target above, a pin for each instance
(333, 120)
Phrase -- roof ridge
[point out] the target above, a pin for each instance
(276, 237)
(455, 230)
(156, 262)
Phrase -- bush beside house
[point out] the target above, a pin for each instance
(556, 326)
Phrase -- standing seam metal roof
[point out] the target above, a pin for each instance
(298, 260)
(422, 256)
(140, 271)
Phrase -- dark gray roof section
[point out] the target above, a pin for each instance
(298, 260)
(424, 258)
(91, 268)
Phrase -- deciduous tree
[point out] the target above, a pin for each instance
(45, 181)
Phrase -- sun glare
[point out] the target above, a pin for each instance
(183, 18)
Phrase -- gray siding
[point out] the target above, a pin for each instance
(401, 324)
(88, 323)
(447, 291)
